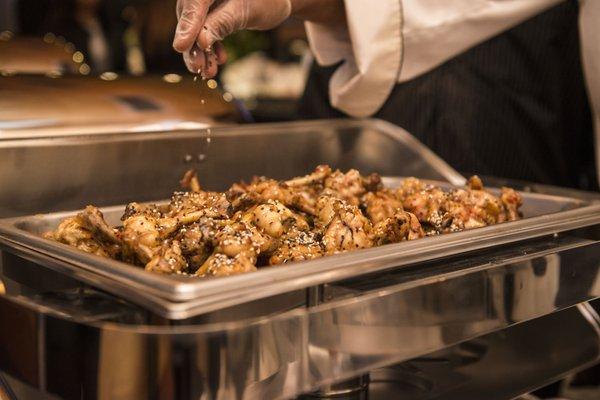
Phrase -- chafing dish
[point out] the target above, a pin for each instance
(281, 332)
(42, 106)
(32, 55)
(64, 172)
(180, 297)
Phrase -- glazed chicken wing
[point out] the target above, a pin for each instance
(269, 222)
(381, 205)
(397, 228)
(168, 259)
(220, 264)
(350, 186)
(343, 225)
(297, 246)
(458, 209)
(73, 231)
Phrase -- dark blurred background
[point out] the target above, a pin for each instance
(133, 37)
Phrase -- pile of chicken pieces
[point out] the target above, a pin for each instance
(270, 222)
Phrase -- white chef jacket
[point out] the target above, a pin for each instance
(386, 42)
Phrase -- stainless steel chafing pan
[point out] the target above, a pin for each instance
(98, 345)
(40, 106)
(65, 172)
(78, 341)
(183, 297)
(141, 167)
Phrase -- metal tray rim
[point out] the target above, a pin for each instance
(397, 133)
(181, 293)
(181, 310)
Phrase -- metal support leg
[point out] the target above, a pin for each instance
(351, 389)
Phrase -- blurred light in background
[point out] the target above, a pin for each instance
(6, 35)
(212, 84)
(109, 76)
(85, 69)
(49, 37)
(78, 57)
(172, 78)
(69, 48)
(54, 74)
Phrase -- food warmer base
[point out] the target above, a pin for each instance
(497, 366)
(486, 308)
(182, 298)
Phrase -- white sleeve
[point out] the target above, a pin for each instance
(436, 31)
(370, 49)
(590, 49)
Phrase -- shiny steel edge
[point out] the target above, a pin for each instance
(6, 392)
(482, 269)
(347, 370)
(590, 314)
(286, 278)
(387, 128)
(182, 310)
(438, 163)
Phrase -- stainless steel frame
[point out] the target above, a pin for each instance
(497, 366)
(66, 172)
(76, 341)
(364, 325)
(178, 297)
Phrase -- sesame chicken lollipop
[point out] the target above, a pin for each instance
(77, 232)
(458, 209)
(380, 205)
(397, 228)
(343, 225)
(268, 222)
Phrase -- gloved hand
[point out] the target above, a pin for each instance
(203, 23)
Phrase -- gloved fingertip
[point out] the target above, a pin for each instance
(206, 39)
(181, 43)
(220, 53)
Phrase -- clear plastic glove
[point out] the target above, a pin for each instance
(204, 23)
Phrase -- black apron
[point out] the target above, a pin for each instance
(514, 106)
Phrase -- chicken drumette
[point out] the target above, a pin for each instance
(458, 209)
(89, 232)
(270, 222)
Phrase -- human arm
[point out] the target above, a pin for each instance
(204, 23)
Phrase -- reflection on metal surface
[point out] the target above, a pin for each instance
(32, 55)
(177, 298)
(139, 103)
(243, 151)
(54, 74)
(351, 389)
(397, 316)
(80, 106)
(509, 362)
(590, 314)
(26, 123)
